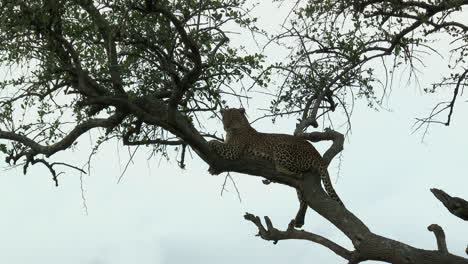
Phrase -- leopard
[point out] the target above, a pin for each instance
(292, 155)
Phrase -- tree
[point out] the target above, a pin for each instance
(146, 71)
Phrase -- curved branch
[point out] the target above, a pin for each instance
(49, 166)
(329, 134)
(31, 160)
(68, 140)
(440, 237)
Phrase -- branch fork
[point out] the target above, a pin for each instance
(271, 233)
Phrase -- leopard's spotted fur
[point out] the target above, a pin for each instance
(290, 154)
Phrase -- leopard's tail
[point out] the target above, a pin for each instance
(325, 177)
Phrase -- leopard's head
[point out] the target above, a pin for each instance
(234, 119)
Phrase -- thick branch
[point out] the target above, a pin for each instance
(154, 111)
(457, 206)
(440, 237)
(311, 118)
(335, 148)
(369, 245)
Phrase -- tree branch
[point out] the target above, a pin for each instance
(107, 34)
(272, 234)
(369, 245)
(451, 105)
(333, 150)
(189, 79)
(440, 237)
(457, 206)
(328, 134)
(65, 142)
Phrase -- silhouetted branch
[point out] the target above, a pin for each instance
(330, 153)
(64, 143)
(272, 234)
(328, 134)
(457, 206)
(440, 237)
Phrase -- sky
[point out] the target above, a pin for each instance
(161, 214)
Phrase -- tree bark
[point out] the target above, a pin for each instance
(457, 206)
(368, 245)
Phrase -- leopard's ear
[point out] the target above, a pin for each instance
(242, 110)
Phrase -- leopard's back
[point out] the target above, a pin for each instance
(290, 154)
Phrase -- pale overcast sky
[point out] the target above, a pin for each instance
(160, 214)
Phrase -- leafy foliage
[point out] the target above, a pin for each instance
(336, 46)
(60, 53)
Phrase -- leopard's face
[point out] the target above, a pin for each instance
(234, 119)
